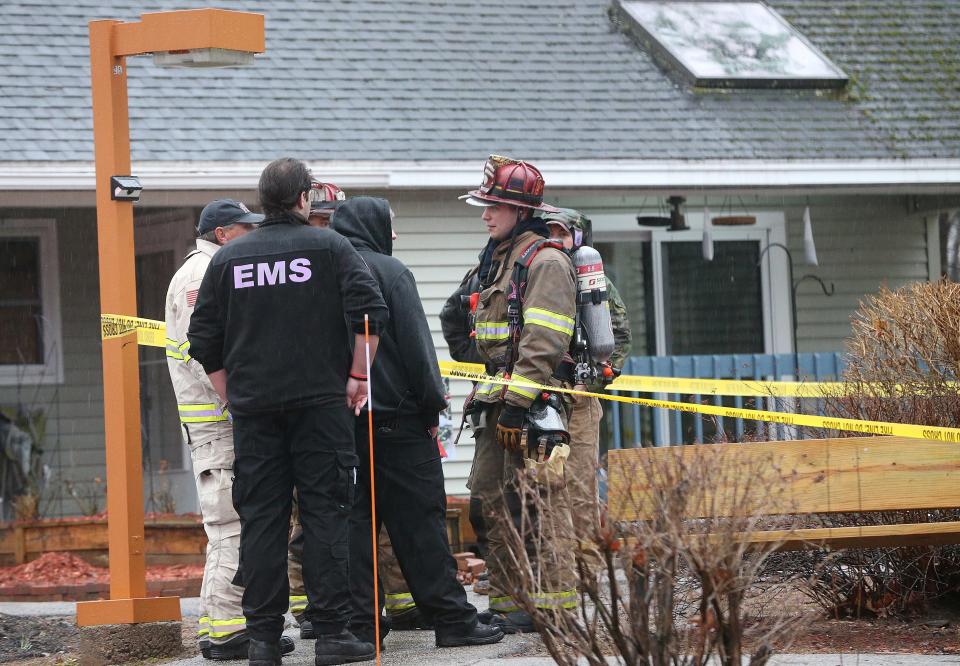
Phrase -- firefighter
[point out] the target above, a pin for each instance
(408, 396)
(325, 198)
(523, 335)
(262, 298)
(208, 434)
(574, 229)
(458, 333)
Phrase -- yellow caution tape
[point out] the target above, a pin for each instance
(150, 332)
(731, 387)
(153, 333)
(464, 371)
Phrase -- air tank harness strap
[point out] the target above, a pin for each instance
(518, 286)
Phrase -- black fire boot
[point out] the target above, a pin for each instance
(481, 634)
(342, 648)
(409, 620)
(263, 653)
(238, 647)
(514, 622)
(306, 630)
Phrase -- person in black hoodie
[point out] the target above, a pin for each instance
(408, 396)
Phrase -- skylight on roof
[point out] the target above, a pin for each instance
(731, 44)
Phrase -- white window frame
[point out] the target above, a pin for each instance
(51, 371)
(774, 280)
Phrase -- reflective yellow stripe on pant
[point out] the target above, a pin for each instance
(397, 603)
(202, 413)
(298, 603)
(224, 628)
(544, 600)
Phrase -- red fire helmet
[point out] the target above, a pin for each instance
(509, 181)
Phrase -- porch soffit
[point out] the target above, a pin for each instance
(897, 175)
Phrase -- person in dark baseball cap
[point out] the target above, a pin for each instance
(224, 219)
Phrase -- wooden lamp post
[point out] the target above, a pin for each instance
(192, 38)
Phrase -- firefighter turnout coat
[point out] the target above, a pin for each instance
(549, 308)
(203, 419)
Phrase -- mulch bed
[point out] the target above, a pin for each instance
(66, 577)
(31, 637)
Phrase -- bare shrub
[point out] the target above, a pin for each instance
(680, 578)
(902, 366)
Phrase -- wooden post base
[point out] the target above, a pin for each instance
(128, 611)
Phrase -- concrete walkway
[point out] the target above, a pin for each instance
(416, 647)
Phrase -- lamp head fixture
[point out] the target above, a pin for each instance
(203, 58)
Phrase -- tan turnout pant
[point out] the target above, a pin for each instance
(221, 615)
(549, 544)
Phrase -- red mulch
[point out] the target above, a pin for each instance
(68, 569)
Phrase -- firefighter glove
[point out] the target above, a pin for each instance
(510, 427)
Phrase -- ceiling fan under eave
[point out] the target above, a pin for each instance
(674, 222)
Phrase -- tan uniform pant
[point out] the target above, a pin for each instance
(581, 475)
(398, 598)
(220, 609)
(493, 482)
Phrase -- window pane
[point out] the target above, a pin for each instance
(21, 335)
(21, 329)
(19, 269)
(713, 307)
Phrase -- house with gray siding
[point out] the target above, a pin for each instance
(405, 100)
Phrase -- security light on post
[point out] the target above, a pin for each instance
(200, 37)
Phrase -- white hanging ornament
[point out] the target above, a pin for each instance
(809, 249)
(707, 235)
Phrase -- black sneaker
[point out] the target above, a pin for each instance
(514, 622)
(410, 619)
(238, 647)
(342, 648)
(481, 634)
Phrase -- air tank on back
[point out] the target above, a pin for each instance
(592, 303)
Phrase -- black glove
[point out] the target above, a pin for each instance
(510, 427)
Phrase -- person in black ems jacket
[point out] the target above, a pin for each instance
(408, 396)
(269, 330)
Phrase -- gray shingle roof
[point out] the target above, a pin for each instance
(457, 79)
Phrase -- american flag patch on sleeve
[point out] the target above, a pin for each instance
(192, 297)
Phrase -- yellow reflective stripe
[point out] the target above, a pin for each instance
(221, 628)
(173, 349)
(298, 603)
(486, 388)
(205, 413)
(399, 602)
(492, 330)
(184, 350)
(555, 600)
(503, 604)
(548, 319)
(204, 623)
(523, 390)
